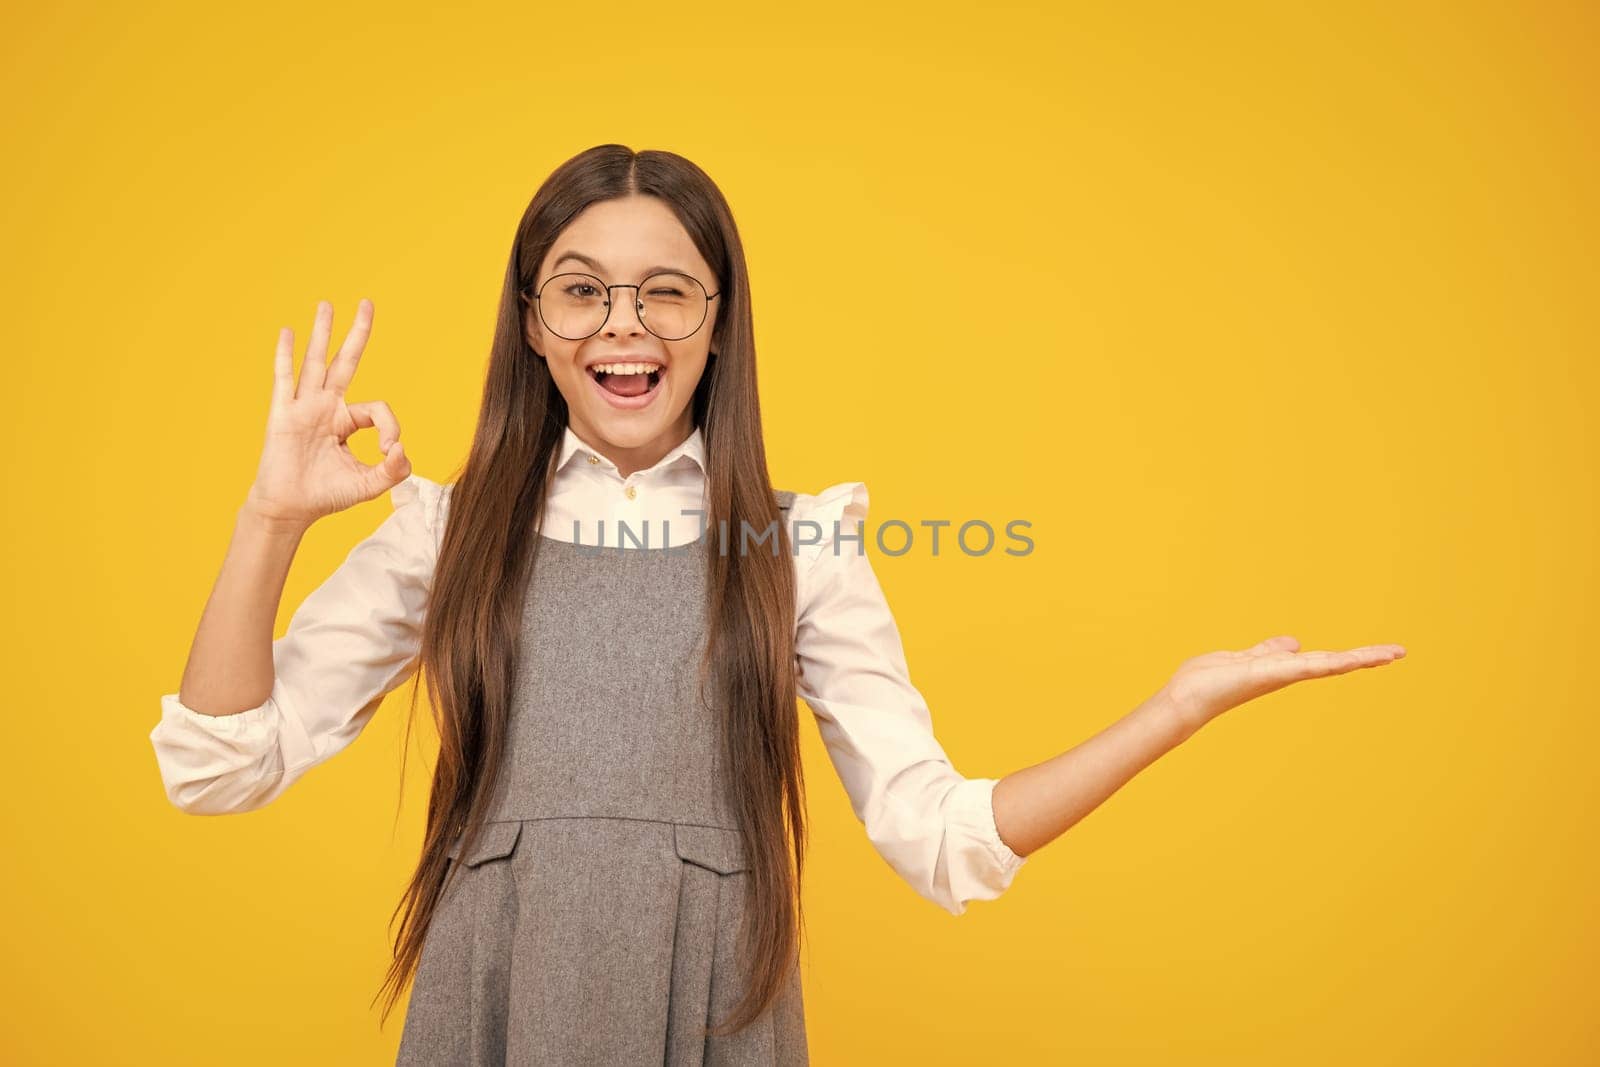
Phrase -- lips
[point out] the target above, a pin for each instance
(629, 392)
(627, 379)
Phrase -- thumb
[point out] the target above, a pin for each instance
(394, 469)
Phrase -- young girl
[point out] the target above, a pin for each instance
(615, 837)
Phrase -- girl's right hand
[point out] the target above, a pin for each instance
(306, 469)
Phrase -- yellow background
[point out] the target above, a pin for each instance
(1285, 324)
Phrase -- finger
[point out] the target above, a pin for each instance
(283, 368)
(343, 367)
(389, 472)
(376, 413)
(314, 367)
(1299, 666)
(1397, 650)
(1370, 655)
(1281, 643)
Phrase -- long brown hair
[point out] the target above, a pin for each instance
(490, 538)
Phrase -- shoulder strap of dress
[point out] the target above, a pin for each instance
(785, 497)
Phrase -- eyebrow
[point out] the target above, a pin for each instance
(595, 266)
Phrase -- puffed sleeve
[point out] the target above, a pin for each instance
(934, 826)
(354, 639)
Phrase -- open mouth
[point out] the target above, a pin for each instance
(628, 384)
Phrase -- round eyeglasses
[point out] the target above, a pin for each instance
(575, 306)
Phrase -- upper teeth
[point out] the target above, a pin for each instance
(626, 368)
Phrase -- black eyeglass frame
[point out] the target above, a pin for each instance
(638, 304)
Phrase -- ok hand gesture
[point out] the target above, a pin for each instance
(306, 470)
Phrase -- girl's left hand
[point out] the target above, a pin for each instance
(1206, 686)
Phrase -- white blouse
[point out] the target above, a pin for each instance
(357, 636)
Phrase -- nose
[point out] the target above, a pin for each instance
(624, 312)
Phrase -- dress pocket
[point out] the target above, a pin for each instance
(711, 847)
(497, 840)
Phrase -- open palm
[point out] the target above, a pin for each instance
(307, 470)
(1206, 686)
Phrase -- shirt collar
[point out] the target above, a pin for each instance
(690, 449)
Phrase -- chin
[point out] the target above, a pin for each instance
(629, 431)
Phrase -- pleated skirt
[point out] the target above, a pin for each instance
(593, 941)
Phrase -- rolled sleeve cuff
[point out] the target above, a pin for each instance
(973, 811)
(215, 764)
(232, 725)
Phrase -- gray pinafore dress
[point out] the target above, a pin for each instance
(596, 919)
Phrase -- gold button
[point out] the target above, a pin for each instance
(631, 491)
(594, 459)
